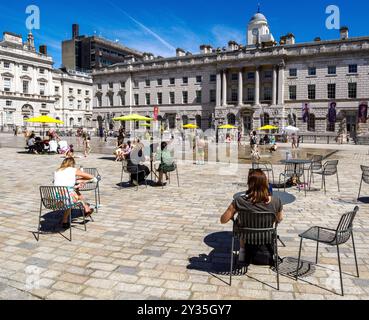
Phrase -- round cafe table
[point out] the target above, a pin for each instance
(297, 162)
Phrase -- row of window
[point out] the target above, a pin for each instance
(332, 70)
(185, 80)
(331, 91)
(42, 87)
(71, 91)
(25, 68)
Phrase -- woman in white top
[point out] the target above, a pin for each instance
(68, 176)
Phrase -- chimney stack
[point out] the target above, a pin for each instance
(344, 32)
(43, 50)
(180, 52)
(75, 31)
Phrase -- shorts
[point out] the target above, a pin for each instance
(72, 197)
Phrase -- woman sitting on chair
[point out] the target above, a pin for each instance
(166, 163)
(68, 176)
(257, 199)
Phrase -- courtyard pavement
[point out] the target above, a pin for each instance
(169, 244)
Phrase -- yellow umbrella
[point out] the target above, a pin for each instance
(268, 127)
(227, 126)
(133, 117)
(44, 119)
(190, 126)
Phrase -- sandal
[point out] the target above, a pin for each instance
(88, 214)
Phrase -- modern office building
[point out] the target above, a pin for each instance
(30, 86)
(316, 86)
(85, 53)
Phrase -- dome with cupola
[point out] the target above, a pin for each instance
(258, 30)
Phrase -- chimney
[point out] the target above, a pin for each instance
(205, 49)
(43, 50)
(75, 31)
(344, 32)
(180, 52)
(317, 39)
(233, 45)
(290, 38)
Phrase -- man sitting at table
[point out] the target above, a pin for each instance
(166, 163)
(134, 165)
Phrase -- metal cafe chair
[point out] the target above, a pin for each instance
(157, 167)
(257, 229)
(364, 178)
(291, 171)
(57, 199)
(316, 166)
(330, 168)
(266, 167)
(131, 170)
(92, 186)
(333, 238)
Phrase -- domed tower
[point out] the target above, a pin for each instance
(258, 30)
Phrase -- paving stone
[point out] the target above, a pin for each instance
(152, 249)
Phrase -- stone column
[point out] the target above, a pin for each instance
(240, 87)
(224, 88)
(274, 99)
(257, 86)
(219, 89)
(281, 92)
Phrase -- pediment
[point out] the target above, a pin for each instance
(7, 74)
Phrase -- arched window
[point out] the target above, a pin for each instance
(311, 123)
(266, 119)
(231, 119)
(71, 122)
(198, 121)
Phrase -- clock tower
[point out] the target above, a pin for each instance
(258, 30)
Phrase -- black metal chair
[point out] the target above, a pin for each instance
(169, 173)
(332, 237)
(291, 171)
(330, 168)
(131, 170)
(364, 178)
(57, 199)
(266, 167)
(256, 229)
(316, 166)
(92, 186)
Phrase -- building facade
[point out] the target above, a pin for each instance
(84, 53)
(247, 86)
(30, 86)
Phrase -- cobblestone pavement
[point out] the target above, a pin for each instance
(168, 244)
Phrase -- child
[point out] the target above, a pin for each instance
(70, 152)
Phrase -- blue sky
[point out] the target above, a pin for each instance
(162, 26)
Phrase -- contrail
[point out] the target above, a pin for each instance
(148, 30)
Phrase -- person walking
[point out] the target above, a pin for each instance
(86, 143)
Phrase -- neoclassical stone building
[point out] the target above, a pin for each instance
(30, 87)
(264, 82)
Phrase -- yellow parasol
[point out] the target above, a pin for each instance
(268, 127)
(133, 117)
(44, 120)
(227, 126)
(190, 126)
